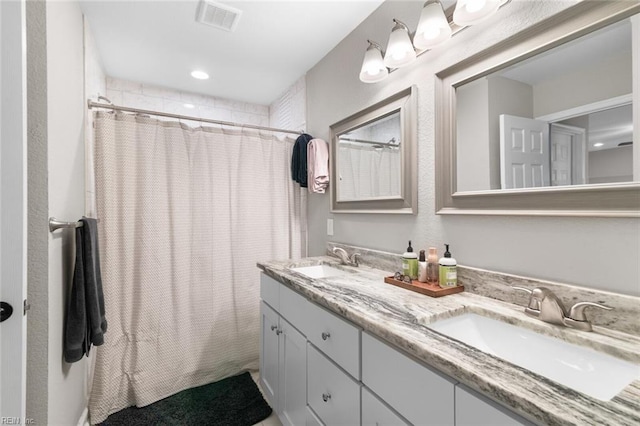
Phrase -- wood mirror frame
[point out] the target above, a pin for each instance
(407, 202)
(603, 200)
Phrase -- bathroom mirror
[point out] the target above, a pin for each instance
(545, 122)
(373, 158)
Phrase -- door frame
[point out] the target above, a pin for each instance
(13, 208)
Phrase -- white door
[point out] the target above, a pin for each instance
(524, 152)
(568, 155)
(270, 330)
(12, 211)
(292, 386)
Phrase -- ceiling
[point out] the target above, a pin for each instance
(273, 45)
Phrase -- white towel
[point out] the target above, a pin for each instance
(317, 165)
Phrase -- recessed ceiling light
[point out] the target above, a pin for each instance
(189, 106)
(598, 145)
(200, 75)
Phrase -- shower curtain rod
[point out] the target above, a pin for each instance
(91, 104)
(390, 144)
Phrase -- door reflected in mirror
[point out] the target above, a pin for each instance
(563, 117)
(370, 161)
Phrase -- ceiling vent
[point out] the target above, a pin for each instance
(218, 15)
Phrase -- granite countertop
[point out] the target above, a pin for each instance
(400, 317)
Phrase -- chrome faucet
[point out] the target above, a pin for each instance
(344, 256)
(546, 306)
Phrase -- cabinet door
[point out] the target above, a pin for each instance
(269, 354)
(420, 394)
(312, 419)
(472, 409)
(293, 375)
(331, 393)
(375, 413)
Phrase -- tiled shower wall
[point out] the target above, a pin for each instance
(149, 97)
(289, 111)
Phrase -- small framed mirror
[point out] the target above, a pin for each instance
(545, 122)
(373, 158)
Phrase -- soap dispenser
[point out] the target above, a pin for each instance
(422, 267)
(410, 263)
(448, 271)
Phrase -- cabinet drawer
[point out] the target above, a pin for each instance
(270, 291)
(332, 394)
(294, 307)
(376, 413)
(418, 393)
(334, 336)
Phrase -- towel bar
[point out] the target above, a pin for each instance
(55, 224)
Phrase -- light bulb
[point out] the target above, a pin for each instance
(200, 75)
(469, 12)
(475, 5)
(433, 28)
(373, 68)
(400, 51)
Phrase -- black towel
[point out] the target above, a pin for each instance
(299, 160)
(85, 320)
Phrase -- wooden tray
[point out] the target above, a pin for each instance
(432, 290)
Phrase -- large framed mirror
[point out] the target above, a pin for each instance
(373, 158)
(547, 121)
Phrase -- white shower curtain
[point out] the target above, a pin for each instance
(185, 214)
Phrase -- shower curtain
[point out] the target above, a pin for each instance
(185, 214)
(368, 172)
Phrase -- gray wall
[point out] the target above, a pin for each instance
(570, 250)
(611, 165)
(38, 233)
(68, 383)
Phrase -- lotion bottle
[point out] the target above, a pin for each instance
(448, 272)
(432, 266)
(422, 268)
(410, 263)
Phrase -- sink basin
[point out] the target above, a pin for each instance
(594, 373)
(319, 271)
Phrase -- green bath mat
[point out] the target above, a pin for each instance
(234, 401)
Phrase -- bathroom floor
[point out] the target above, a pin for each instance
(273, 419)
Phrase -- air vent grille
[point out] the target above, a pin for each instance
(218, 15)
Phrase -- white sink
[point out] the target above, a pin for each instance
(319, 271)
(594, 373)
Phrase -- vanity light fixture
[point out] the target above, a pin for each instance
(434, 29)
(400, 51)
(373, 67)
(200, 75)
(470, 12)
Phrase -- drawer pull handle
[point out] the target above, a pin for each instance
(326, 396)
(278, 332)
(273, 327)
(325, 336)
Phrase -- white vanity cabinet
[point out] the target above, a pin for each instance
(283, 353)
(317, 368)
(473, 409)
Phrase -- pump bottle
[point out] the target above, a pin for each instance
(410, 263)
(448, 271)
